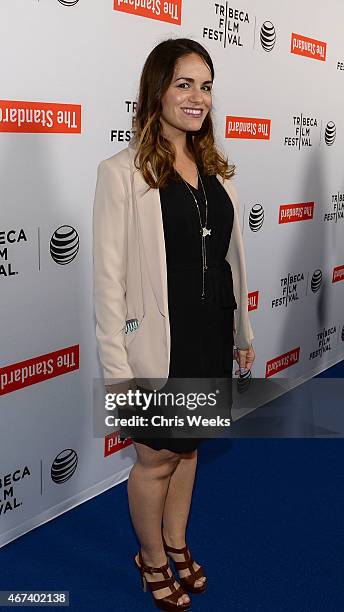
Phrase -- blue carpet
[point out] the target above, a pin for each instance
(266, 522)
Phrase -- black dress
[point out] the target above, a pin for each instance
(201, 329)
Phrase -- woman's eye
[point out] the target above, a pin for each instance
(208, 87)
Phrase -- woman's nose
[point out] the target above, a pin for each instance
(196, 95)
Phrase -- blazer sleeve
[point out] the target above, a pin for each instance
(110, 217)
(242, 332)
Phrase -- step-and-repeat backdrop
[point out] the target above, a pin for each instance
(69, 78)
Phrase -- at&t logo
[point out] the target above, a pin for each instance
(64, 244)
(267, 36)
(68, 2)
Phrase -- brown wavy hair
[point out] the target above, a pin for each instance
(152, 149)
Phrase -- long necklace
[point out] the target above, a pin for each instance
(204, 230)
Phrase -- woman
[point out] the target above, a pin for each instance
(164, 254)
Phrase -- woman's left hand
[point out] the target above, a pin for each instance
(244, 359)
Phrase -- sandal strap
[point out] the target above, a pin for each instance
(180, 551)
(198, 573)
(150, 570)
(155, 585)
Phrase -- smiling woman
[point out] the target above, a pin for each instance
(176, 93)
(164, 253)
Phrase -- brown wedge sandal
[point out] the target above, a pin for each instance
(188, 582)
(170, 602)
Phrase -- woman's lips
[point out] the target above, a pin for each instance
(192, 112)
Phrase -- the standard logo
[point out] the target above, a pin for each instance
(113, 443)
(64, 466)
(303, 211)
(39, 117)
(338, 274)
(38, 368)
(247, 127)
(253, 297)
(308, 47)
(277, 364)
(153, 9)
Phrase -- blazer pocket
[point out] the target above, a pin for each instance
(132, 327)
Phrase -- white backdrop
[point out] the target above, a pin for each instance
(69, 76)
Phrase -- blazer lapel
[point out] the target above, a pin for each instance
(152, 230)
(152, 233)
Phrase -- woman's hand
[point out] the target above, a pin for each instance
(244, 359)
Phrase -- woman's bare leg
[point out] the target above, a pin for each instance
(177, 507)
(147, 487)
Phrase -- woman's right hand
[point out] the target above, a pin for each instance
(244, 359)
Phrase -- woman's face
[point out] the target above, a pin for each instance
(187, 100)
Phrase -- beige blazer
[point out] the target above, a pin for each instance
(130, 274)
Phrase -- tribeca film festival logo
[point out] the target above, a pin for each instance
(8, 499)
(8, 239)
(39, 117)
(247, 127)
(64, 466)
(122, 134)
(337, 208)
(153, 9)
(324, 340)
(64, 244)
(231, 28)
(308, 47)
(304, 128)
(291, 286)
(231, 25)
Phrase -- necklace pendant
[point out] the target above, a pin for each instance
(206, 231)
